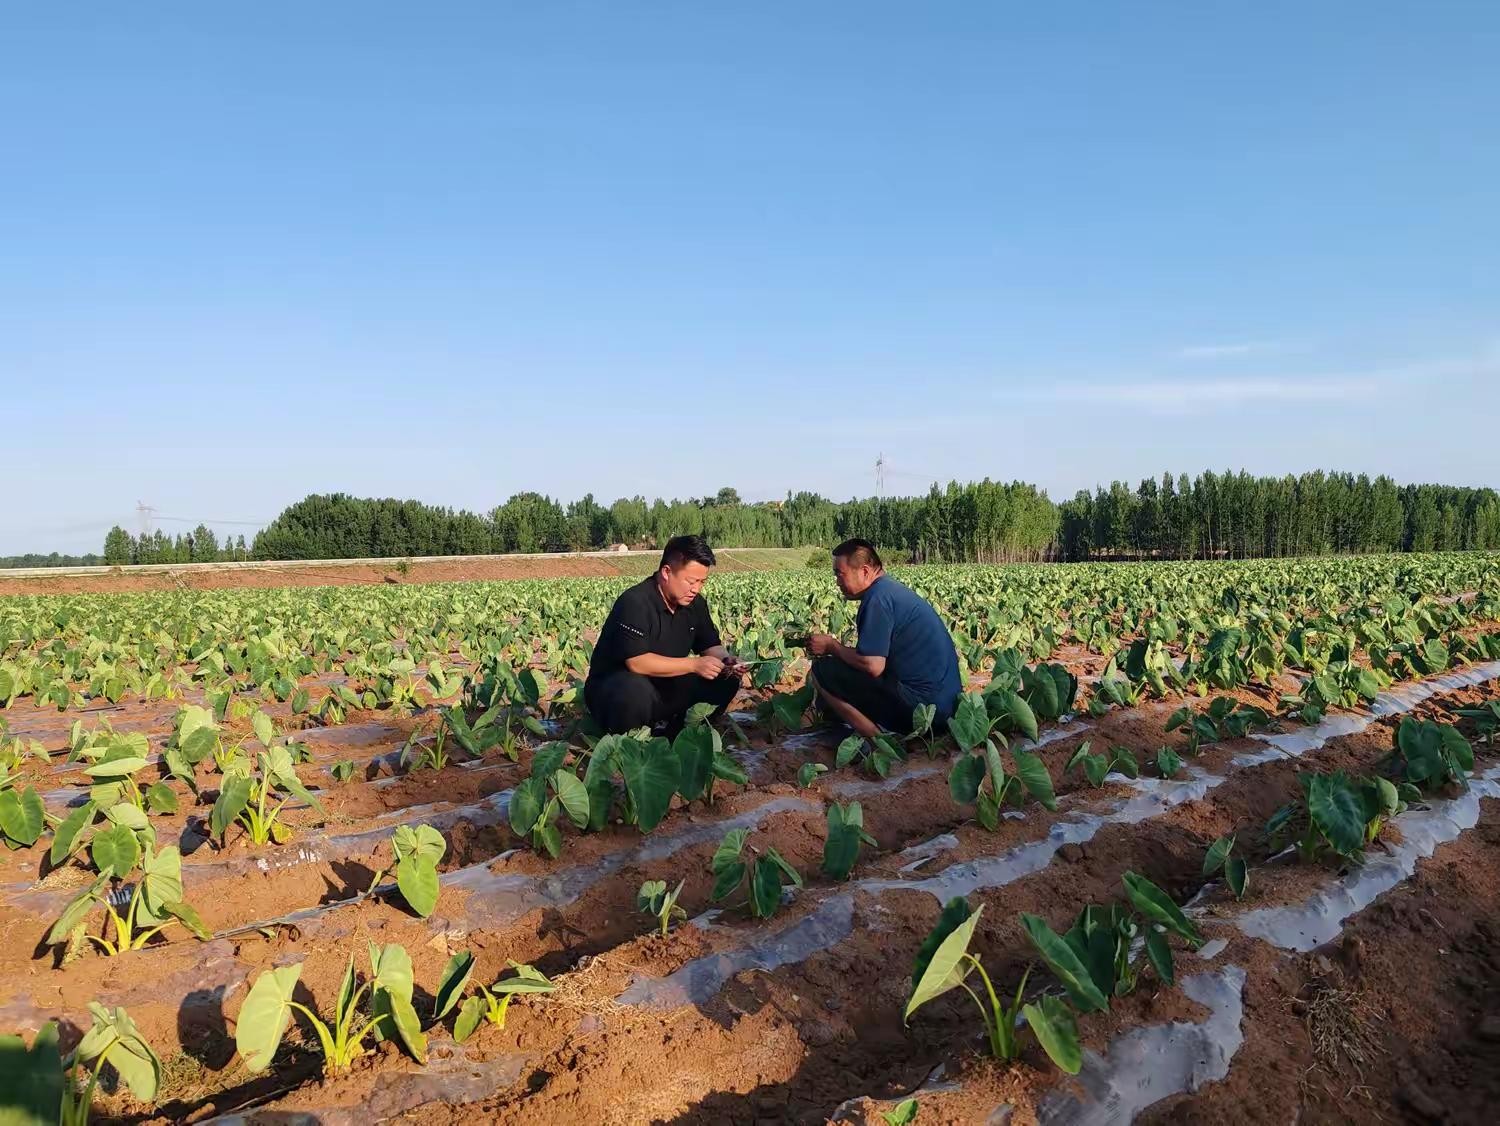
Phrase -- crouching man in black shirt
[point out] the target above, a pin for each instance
(659, 652)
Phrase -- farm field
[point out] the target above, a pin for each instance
(382, 802)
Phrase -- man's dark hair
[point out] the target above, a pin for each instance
(686, 549)
(860, 553)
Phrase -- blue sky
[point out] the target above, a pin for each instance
(453, 251)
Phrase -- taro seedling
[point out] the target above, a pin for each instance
(762, 878)
(1337, 814)
(268, 1010)
(923, 716)
(1095, 766)
(903, 1113)
(701, 760)
(655, 900)
(1168, 762)
(809, 771)
(434, 756)
(1225, 718)
(880, 753)
(1113, 691)
(1097, 959)
(538, 802)
(944, 962)
(418, 852)
(343, 770)
(783, 711)
(492, 1002)
(846, 832)
(1430, 755)
(1486, 719)
(155, 902)
(981, 780)
(1236, 871)
(651, 770)
(484, 735)
(243, 798)
(42, 1086)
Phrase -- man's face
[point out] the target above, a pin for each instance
(680, 585)
(853, 581)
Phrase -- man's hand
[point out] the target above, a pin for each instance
(733, 666)
(709, 668)
(821, 644)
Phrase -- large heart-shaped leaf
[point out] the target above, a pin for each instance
(264, 1016)
(1065, 964)
(650, 770)
(116, 849)
(1337, 811)
(971, 723)
(947, 967)
(694, 748)
(234, 796)
(1157, 906)
(22, 816)
(1055, 1029)
(128, 1053)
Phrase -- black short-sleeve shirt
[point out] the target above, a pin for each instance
(640, 623)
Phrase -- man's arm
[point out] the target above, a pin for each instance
(822, 645)
(706, 665)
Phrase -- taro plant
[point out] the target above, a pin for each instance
(846, 832)
(1220, 855)
(1225, 718)
(783, 711)
(1096, 765)
(1168, 762)
(879, 754)
(490, 730)
(701, 759)
(762, 878)
(244, 798)
(1486, 719)
(23, 815)
(981, 779)
(1431, 755)
(155, 902)
(418, 852)
(809, 771)
(1337, 814)
(268, 1008)
(492, 1001)
(41, 1086)
(655, 900)
(1098, 957)
(343, 770)
(652, 772)
(945, 962)
(923, 720)
(539, 801)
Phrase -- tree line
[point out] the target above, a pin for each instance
(1214, 515)
(1239, 516)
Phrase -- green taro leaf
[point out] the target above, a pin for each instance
(966, 777)
(234, 796)
(526, 803)
(1157, 906)
(573, 796)
(417, 879)
(1053, 1025)
(264, 1016)
(970, 725)
(1160, 955)
(848, 751)
(1237, 874)
(115, 768)
(1065, 964)
(694, 748)
(947, 967)
(69, 833)
(129, 1054)
(1217, 853)
(954, 912)
(160, 798)
(31, 1079)
(116, 849)
(470, 1014)
(765, 887)
(808, 771)
(451, 984)
(1032, 772)
(1337, 811)
(650, 771)
(422, 842)
(22, 816)
(78, 909)
(902, 1114)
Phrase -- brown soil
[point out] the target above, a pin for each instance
(1408, 987)
(293, 574)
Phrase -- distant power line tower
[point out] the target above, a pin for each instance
(145, 513)
(880, 475)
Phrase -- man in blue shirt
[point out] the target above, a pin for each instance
(904, 657)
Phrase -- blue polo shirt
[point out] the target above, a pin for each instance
(900, 625)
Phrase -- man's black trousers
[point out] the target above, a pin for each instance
(622, 700)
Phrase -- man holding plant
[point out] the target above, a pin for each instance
(904, 656)
(659, 652)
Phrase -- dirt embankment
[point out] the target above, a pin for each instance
(459, 569)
